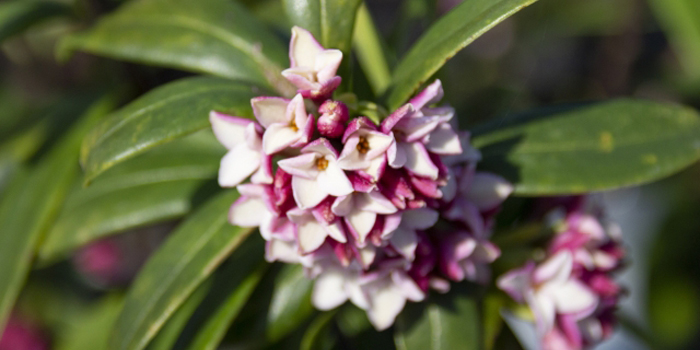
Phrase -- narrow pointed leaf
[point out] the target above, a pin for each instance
(217, 37)
(32, 203)
(162, 115)
(593, 147)
(370, 54)
(157, 186)
(291, 302)
(451, 33)
(18, 15)
(330, 21)
(186, 259)
(443, 322)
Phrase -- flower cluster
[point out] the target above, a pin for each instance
(356, 203)
(572, 294)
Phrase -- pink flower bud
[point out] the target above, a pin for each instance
(333, 117)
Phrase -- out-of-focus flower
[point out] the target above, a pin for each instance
(21, 334)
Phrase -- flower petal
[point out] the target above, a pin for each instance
(327, 63)
(361, 223)
(333, 180)
(574, 297)
(420, 219)
(303, 48)
(444, 141)
(247, 212)
(229, 130)
(433, 93)
(307, 193)
(374, 202)
(556, 269)
(329, 290)
(405, 242)
(278, 137)
(303, 166)
(488, 190)
(279, 250)
(387, 301)
(270, 110)
(517, 282)
(311, 235)
(239, 163)
(418, 160)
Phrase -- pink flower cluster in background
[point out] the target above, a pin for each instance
(572, 293)
(355, 202)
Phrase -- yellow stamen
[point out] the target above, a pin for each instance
(363, 145)
(321, 163)
(293, 125)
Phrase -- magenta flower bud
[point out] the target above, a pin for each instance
(333, 117)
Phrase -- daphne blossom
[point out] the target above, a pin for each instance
(363, 222)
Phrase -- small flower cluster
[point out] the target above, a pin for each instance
(357, 203)
(572, 294)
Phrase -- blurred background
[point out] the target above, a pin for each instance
(556, 51)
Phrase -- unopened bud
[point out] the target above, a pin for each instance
(334, 116)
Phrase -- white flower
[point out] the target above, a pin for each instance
(360, 211)
(365, 148)
(285, 121)
(316, 174)
(242, 137)
(313, 68)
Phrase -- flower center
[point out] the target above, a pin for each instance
(363, 145)
(293, 125)
(321, 163)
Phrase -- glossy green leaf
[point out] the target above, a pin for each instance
(444, 39)
(370, 54)
(233, 286)
(175, 270)
(168, 335)
(217, 37)
(680, 20)
(330, 21)
(443, 322)
(166, 113)
(159, 185)
(291, 302)
(591, 148)
(18, 15)
(32, 203)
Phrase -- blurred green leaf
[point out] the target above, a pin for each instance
(330, 21)
(291, 302)
(175, 270)
(680, 20)
(32, 203)
(18, 15)
(444, 39)
(159, 185)
(162, 115)
(370, 54)
(233, 286)
(443, 322)
(318, 335)
(217, 37)
(591, 148)
(90, 329)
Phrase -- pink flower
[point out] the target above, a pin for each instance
(365, 149)
(334, 115)
(550, 290)
(285, 121)
(22, 335)
(360, 211)
(313, 67)
(316, 174)
(463, 256)
(243, 139)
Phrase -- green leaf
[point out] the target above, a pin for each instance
(318, 335)
(18, 15)
(217, 37)
(233, 286)
(89, 329)
(680, 20)
(168, 335)
(184, 261)
(330, 21)
(32, 203)
(159, 185)
(443, 322)
(370, 54)
(444, 39)
(592, 148)
(291, 302)
(166, 113)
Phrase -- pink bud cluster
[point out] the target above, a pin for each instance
(572, 293)
(354, 202)
(22, 334)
